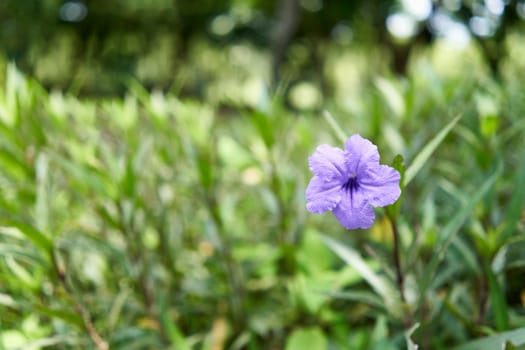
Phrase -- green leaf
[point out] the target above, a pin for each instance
(264, 125)
(129, 179)
(448, 233)
(8, 301)
(515, 337)
(379, 337)
(173, 332)
(37, 237)
(394, 209)
(169, 325)
(366, 297)
(42, 192)
(19, 251)
(88, 177)
(232, 154)
(66, 316)
(205, 166)
(497, 300)
(338, 130)
(467, 256)
(514, 209)
(515, 254)
(22, 274)
(423, 156)
(379, 284)
(380, 331)
(489, 125)
(306, 338)
(392, 96)
(410, 344)
(12, 165)
(399, 164)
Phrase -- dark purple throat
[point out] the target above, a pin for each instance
(351, 185)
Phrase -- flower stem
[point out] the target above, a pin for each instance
(400, 279)
(397, 261)
(70, 292)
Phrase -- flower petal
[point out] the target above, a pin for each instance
(359, 154)
(381, 185)
(327, 162)
(322, 195)
(353, 214)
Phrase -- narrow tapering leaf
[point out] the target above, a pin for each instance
(448, 233)
(423, 156)
(497, 341)
(513, 212)
(34, 235)
(379, 284)
(408, 334)
(497, 300)
(338, 130)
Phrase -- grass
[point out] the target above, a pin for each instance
(151, 221)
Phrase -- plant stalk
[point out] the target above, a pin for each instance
(60, 271)
(400, 279)
(397, 262)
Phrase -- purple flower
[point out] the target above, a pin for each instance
(351, 182)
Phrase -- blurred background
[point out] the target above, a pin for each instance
(154, 160)
(95, 47)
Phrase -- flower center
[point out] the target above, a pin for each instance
(351, 185)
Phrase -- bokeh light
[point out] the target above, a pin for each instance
(73, 11)
(451, 30)
(419, 9)
(401, 25)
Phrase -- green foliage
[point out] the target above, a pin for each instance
(153, 221)
(306, 339)
(423, 156)
(506, 340)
